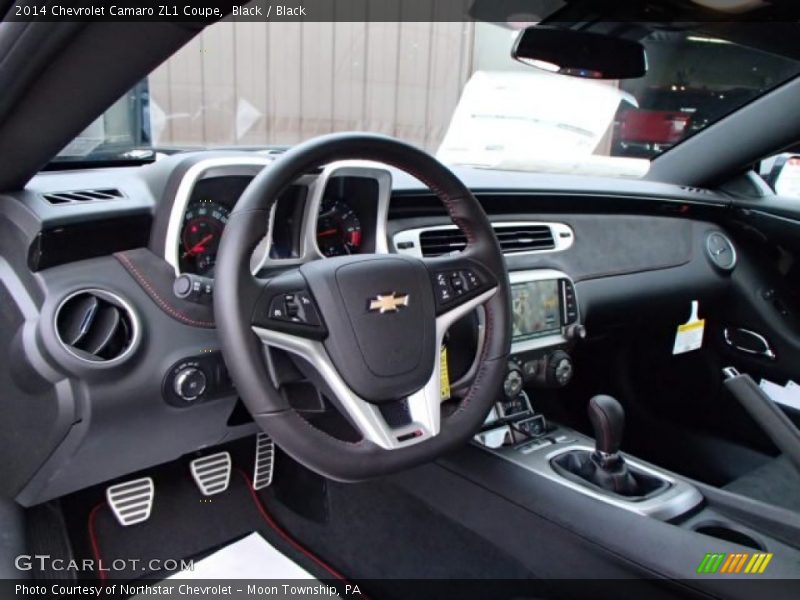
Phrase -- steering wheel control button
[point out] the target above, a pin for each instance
(444, 293)
(190, 383)
(455, 284)
(472, 280)
(294, 307)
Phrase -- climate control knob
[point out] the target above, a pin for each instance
(190, 383)
(512, 384)
(559, 368)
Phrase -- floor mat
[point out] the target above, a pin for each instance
(777, 482)
(375, 530)
(251, 557)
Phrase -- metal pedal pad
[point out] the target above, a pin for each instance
(265, 461)
(132, 501)
(212, 473)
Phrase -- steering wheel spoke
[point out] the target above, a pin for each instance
(366, 417)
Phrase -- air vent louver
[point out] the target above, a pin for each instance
(96, 326)
(437, 242)
(524, 238)
(82, 196)
(513, 239)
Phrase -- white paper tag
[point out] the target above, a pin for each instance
(690, 335)
(787, 395)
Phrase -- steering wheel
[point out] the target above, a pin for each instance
(370, 325)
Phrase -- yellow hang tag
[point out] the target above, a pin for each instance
(690, 335)
(444, 375)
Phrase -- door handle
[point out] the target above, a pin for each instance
(748, 342)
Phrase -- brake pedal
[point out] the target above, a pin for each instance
(212, 473)
(265, 461)
(132, 501)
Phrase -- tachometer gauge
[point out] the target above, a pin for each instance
(203, 225)
(338, 229)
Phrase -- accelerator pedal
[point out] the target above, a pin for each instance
(212, 473)
(265, 461)
(132, 501)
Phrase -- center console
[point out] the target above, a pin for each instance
(546, 326)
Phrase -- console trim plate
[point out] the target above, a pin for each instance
(676, 500)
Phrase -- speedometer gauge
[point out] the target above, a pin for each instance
(203, 225)
(338, 229)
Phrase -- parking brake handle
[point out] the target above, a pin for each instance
(766, 413)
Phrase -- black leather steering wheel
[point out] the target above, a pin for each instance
(371, 325)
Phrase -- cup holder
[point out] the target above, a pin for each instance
(723, 531)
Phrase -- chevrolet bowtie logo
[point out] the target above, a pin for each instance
(388, 302)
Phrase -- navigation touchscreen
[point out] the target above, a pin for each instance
(536, 309)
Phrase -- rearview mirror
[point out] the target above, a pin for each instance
(580, 54)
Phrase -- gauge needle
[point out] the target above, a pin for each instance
(199, 246)
(327, 232)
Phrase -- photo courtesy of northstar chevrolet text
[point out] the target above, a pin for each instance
(400, 299)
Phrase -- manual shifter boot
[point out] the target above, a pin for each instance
(605, 467)
(611, 473)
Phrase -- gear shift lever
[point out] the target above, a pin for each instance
(605, 467)
(608, 420)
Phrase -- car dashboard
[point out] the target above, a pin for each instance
(580, 252)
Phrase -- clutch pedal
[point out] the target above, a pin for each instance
(132, 501)
(265, 461)
(212, 473)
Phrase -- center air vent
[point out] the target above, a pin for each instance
(524, 238)
(96, 326)
(82, 196)
(514, 238)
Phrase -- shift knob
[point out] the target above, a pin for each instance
(608, 420)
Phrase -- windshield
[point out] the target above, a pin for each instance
(450, 88)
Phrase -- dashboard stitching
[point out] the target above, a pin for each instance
(163, 304)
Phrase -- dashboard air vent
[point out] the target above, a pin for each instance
(513, 239)
(524, 238)
(437, 242)
(82, 196)
(96, 326)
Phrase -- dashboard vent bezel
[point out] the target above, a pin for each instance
(713, 256)
(82, 196)
(560, 236)
(92, 347)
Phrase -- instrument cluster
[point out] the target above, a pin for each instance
(346, 220)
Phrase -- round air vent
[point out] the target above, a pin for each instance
(721, 251)
(96, 326)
